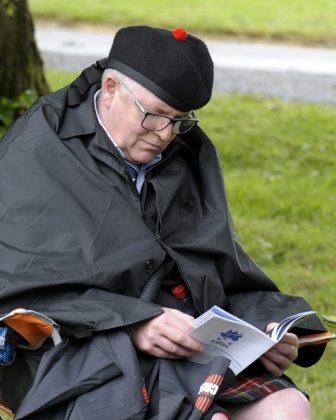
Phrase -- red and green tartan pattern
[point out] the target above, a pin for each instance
(253, 388)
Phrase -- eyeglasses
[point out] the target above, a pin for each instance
(157, 122)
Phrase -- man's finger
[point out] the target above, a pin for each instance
(182, 339)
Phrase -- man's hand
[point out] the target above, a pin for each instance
(166, 335)
(280, 357)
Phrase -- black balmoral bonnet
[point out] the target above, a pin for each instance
(173, 65)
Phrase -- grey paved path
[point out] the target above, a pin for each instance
(292, 73)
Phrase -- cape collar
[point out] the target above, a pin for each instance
(80, 120)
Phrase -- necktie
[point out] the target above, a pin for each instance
(133, 172)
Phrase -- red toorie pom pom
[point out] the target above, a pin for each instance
(180, 34)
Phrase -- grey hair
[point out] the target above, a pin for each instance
(130, 83)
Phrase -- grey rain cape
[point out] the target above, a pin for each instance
(78, 244)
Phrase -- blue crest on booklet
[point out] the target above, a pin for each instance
(231, 335)
(7, 350)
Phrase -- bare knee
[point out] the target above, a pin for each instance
(219, 416)
(296, 404)
(289, 404)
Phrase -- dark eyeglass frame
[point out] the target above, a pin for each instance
(174, 121)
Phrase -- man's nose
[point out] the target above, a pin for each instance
(167, 133)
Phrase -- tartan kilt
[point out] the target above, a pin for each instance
(251, 388)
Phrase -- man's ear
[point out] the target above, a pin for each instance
(109, 88)
(110, 84)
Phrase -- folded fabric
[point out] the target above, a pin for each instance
(314, 339)
(32, 326)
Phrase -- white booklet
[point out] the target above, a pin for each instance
(229, 336)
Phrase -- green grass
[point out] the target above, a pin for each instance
(58, 79)
(279, 164)
(304, 21)
(279, 161)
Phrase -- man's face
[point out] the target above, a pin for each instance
(122, 118)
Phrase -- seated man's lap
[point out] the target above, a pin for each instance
(263, 395)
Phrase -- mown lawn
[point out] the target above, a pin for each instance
(303, 21)
(279, 164)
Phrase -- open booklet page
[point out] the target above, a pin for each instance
(226, 335)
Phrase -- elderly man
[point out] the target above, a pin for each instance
(114, 224)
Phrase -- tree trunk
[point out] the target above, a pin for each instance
(21, 66)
